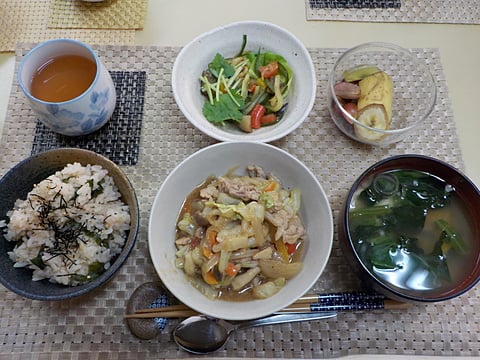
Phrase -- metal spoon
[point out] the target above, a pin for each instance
(202, 334)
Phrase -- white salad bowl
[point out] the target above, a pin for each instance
(217, 160)
(226, 40)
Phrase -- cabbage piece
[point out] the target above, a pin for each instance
(210, 263)
(223, 261)
(187, 224)
(189, 265)
(224, 198)
(273, 269)
(264, 254)
(255, 213)
(207, 290)
(226, 210)
(248, 264)
(253, 210)
(242, 280)
(268, 289)
(243, 254)
(230, 241)
(294, 200)
(197, 256)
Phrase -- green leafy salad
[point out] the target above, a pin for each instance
(406, 223)
(248, 90)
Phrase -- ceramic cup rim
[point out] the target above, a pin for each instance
(28, 57)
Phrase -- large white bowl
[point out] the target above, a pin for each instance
(217, 160)
(194, 58)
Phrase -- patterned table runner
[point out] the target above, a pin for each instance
(92, 327)
(27, 21)
(108, 14)
(413, 11)
(355, 4)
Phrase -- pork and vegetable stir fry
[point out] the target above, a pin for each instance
(240, 236)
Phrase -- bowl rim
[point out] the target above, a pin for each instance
(210, 309)
(119, 260)
(216, 132)
(383, 285)
(393, 47)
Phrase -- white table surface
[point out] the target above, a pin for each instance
(175, 22)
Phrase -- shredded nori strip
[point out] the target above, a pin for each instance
(67, 236)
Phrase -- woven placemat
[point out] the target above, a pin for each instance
(409, 11)
(119, 139)
(92, 327)
(26, 21)
(108, 14)
(355, 4)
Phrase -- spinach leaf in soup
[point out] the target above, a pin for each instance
(389, 216)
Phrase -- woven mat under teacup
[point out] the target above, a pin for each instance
(108, 14)
(119, 139)
(92, 326)
(27, 21)
(408, 11)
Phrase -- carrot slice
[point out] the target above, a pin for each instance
(270, 187)
(231, 269)
(269, 70)
(210, 278)
(291, 248)
(212, 238)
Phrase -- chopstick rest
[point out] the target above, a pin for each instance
(154, 296)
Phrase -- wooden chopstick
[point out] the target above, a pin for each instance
(306, 299)
(180, 307)
(163, 314)
(172, 311)
(307, 303)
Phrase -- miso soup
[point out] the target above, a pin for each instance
(411, 229)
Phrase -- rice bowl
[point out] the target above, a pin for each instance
(70, 225)
(18, 181)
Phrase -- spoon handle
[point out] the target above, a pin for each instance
(285, 318)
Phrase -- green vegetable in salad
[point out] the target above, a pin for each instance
(234, 87)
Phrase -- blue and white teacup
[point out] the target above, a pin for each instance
(80, 115)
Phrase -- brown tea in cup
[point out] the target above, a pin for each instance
(68, 86)
(63, 78)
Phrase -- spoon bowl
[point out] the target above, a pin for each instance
(203, 334)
